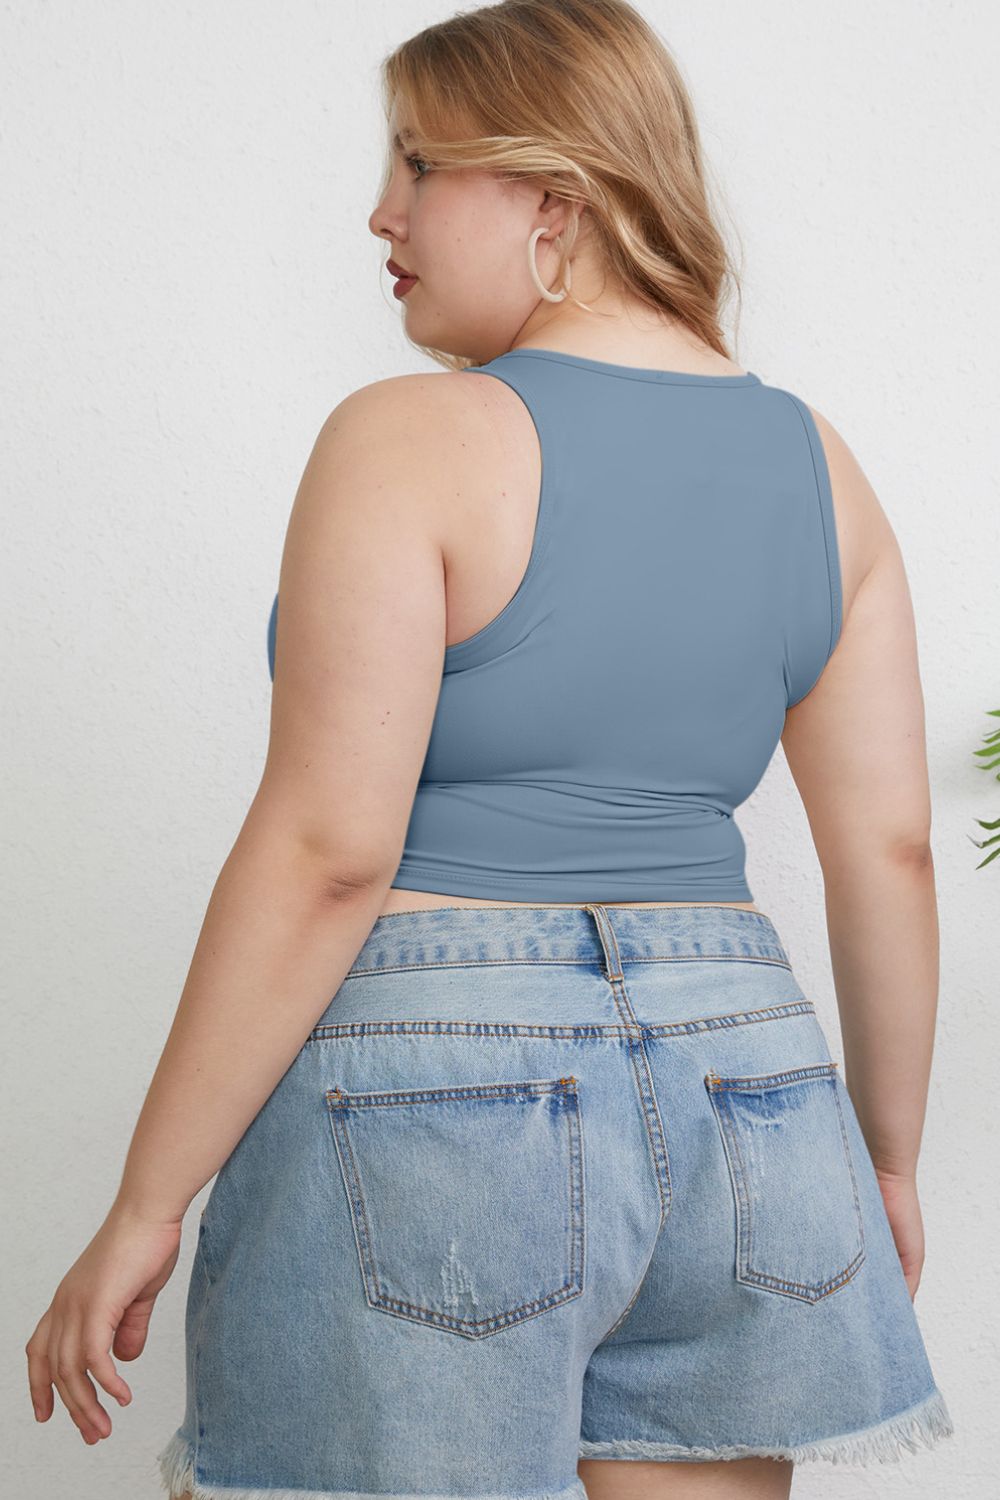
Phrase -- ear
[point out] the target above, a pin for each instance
(562, 213)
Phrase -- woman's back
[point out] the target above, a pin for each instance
(647, 561)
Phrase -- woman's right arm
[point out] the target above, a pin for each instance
(856, 749)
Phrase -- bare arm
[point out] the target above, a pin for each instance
(855, 746)
(357, 674)
(358, 667)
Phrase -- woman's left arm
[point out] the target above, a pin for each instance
(357, 674)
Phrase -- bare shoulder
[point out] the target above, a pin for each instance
(864, 533)
(435, 434)
(418, 392)
(433, 410)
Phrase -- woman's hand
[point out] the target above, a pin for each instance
(899, 1194)
(106, 1295)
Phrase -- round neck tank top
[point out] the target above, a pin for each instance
(593, 740)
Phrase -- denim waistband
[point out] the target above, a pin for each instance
(608, 934)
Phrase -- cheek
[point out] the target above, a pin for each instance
(471, 252)
(465, 236)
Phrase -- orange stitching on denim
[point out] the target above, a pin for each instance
(772, 1080)
(759, 1278)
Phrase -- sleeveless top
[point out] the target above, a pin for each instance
(592, 741)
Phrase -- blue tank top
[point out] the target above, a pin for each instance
(593, 740)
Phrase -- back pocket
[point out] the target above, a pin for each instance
(798, 1217)
(466, 1201)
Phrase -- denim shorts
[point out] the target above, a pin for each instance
(542, 1184)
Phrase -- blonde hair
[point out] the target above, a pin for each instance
(583, 97)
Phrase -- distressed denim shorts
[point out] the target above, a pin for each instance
(542, 1184)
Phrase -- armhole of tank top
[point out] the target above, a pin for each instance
(824, 494)
(505, 629)
(272, 636)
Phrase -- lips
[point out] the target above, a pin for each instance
(395, 269)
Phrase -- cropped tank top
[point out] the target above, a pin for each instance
(593, 740)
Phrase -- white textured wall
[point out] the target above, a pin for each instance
(188, 287)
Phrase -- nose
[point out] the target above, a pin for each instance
(386, 222)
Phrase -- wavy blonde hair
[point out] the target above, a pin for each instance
(583, 97)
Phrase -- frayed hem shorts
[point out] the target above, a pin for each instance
(546, 1184)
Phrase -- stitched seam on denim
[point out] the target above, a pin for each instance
(798, 1289)
(738, 1176)
(344, 1030)
(578, 1218)
(587, 960)
(357, 1205)
(752, 1084)
(330, 1031)
(647, 1096)
(850, 1167)
(732, 1018)
(636, 1048)
(495, 1325)
(206, 1295)
(658, 1140)
(564, 1293)
(665, 1202)
(502, 1089)
(635, 1295)
(779, 960)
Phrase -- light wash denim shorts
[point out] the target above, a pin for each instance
(542, 1184)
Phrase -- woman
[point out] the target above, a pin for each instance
(564, 1176)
